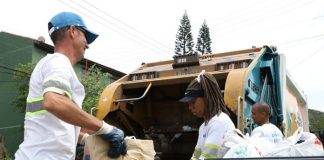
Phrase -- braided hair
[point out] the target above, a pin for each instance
(214, 102)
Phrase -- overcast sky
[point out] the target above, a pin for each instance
(136, 31)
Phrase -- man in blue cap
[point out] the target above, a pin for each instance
(53, 113)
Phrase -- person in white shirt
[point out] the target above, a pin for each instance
(206, 101)
(265, 129)
(53, 113)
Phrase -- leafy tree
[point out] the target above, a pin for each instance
(184, 43)
(94, 82)
(315, 120)
(21, 77)
(203, 40)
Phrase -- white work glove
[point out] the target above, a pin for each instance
(105, 128)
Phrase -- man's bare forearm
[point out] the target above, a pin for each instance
(66, 110)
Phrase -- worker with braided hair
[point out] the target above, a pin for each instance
(206, 101)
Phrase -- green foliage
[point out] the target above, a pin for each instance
(21, 77)
(94, 82)
(184, 43)
(203, 40)
(316, 119)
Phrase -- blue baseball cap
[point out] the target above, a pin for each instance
(65, 19)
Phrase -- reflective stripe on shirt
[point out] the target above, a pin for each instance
(208, 156)
(35, 106)
(196, 153)
(57, 86)
(210, 151)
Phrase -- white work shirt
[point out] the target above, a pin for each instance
(269, 132)
(211, 136)
(46, 137)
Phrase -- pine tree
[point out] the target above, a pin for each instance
(203, 40)
(184, 43)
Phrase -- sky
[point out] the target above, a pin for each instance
(136, 31)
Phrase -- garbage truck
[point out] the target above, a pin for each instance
(144, 103)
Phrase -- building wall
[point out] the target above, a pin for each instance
(37, 54)
(13, 50)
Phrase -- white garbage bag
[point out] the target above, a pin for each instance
(250, 147)
(242, 150)
(230, 140)
(299, 144)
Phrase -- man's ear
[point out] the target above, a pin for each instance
(72, 32)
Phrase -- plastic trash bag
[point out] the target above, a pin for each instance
(299, 144)
(230, 140)
(236, 145)
(242, 150)
(262, 145)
